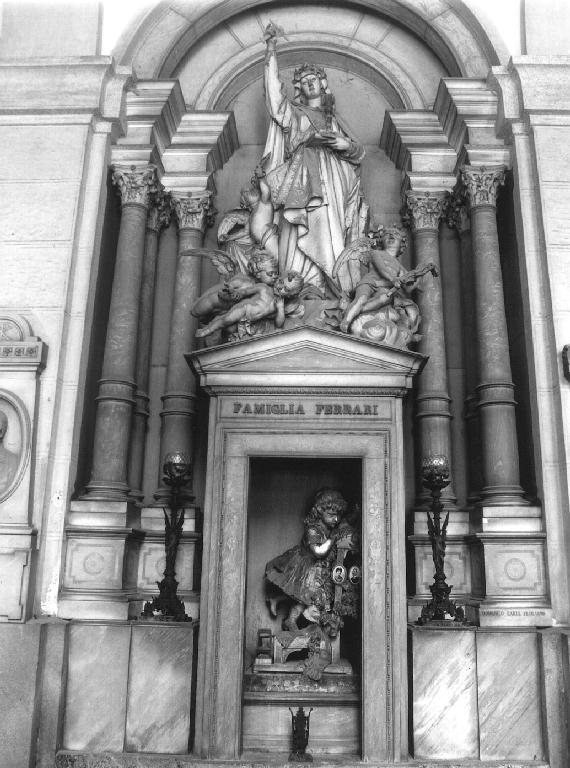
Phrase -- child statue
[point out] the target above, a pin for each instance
(303, 573)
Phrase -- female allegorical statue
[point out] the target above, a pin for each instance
(311, 167)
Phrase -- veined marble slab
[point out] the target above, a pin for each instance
(509, 696)
(444, 693)
(96, 696)
(160, 678)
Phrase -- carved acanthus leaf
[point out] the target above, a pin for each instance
(160, 212)
(482, 184)
(425, 209)
(457, 212)
(194, 212)
(135, 185)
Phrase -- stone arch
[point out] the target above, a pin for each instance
(156, 41)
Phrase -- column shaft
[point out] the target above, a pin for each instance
(433, 414)
(180, 391)
(500, 462)
(115, 400)
(159, 216)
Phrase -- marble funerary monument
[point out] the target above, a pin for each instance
(299, 254)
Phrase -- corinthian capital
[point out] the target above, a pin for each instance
(457, 212)
(194, 212)
(425, 209)
(135, 185)
(160, 212)
(482, 184)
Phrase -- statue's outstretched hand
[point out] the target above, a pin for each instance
(271, 33)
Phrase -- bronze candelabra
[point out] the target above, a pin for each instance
(435, 472)
(167, 606)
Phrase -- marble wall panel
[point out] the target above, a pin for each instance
(444, 693)
(47, 144)
(20, 644)
(333, 730)
(509, 696)
(53, 204)
(96, 697)
(160, 679)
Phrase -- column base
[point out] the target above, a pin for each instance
(515, 575)
(503, 496)
(94, 585)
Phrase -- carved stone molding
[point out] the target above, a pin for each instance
(136, 185)
(482, 184)
(425, 209)
(160, 212)
(194, 211)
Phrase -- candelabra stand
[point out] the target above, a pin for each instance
(435, 472)
(167, 606)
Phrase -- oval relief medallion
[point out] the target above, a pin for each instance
(14, 443)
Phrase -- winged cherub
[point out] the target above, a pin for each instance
(387, 283)
(263, 299)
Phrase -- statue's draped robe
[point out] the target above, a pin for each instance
(316, 191)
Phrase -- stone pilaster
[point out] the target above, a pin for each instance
(500, 462)
(193, 214)
(433, 414)
(115, 400)
(158, 217)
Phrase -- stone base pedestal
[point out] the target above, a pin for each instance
(129, 687)
(516, 588)
(334, 730)
(94, 584)
(476, 694)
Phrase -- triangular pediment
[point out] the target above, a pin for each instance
(305, 356)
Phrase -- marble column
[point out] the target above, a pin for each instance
(115, 400)
(193, 214)
(459, 218)
(500, 461)
(432, 398)
(158, 217)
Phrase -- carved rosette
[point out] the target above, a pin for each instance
(482, 184)
(425, 209)
(194, 212)
(137, 186)
(160, 212)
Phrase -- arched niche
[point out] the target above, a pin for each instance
(158, 39)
